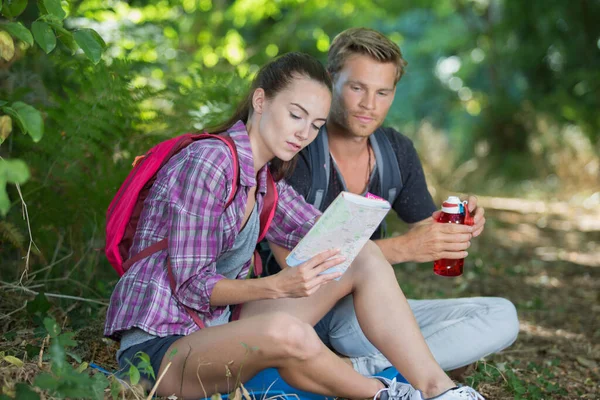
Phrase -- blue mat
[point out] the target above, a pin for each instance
(268, 384)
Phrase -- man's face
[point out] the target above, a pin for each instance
(363, 91)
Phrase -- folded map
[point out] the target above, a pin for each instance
(347, 224)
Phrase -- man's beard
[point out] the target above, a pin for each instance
(342, 118)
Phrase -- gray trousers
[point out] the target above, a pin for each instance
(457, 331)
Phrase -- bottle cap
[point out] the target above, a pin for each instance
(451, 205)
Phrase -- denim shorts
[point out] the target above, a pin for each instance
(154, 348)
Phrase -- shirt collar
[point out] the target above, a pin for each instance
(240, 137)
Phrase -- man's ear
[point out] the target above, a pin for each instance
(258, 100)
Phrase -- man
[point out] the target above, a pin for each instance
(365, 67)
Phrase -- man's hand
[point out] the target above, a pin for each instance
(429, 240)
(477, 213)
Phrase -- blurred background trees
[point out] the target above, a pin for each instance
(501, 98)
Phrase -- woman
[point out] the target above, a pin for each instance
(210, 249)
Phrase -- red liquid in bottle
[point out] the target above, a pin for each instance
(450, 214)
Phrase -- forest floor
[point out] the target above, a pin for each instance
(544, 257)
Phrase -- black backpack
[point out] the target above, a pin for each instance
(388, 168)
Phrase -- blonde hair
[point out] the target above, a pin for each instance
(364, 41)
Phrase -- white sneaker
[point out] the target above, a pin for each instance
(457, 393)
(395, 390)
(403, 391)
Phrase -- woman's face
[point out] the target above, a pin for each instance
(291, 119)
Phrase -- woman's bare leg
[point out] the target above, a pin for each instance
(383, 314)
(212, 359)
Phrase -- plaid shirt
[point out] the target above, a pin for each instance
(187, 204)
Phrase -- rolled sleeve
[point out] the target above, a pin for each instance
(197, 191)
(293, 217)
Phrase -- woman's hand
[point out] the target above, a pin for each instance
(304, 280)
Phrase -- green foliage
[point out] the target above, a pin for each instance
(44, 31)
(64, 380)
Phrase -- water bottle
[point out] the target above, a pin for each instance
(453, 212)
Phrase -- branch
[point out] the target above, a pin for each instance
(60, 296)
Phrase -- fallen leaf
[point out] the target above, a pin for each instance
(591, 364)
(13, 360)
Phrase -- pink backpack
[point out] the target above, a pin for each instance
(126, 207)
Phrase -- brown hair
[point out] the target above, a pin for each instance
(273, 78)
(367, 42)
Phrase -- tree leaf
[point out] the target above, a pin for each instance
(5, 127)
(74, 356)
(82, 367)
(99, 383)
(67, 39)
(39, 305)
(4, 200)
(115, 389)
(13, 8)
(24, 392)
(44, 35)
(51, 327)
(7, 46)
(14, 171)
(91, 43)
(54, 7)
(58, 357)
(66, 339)
(19, 31)
(31, 118)
(13, 360)
(134, 375)
(46, 381)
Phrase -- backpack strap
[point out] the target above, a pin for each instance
(320, 167)
(390, 176)
(236, 162)
(266, 217)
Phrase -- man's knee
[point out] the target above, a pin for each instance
(507, 314)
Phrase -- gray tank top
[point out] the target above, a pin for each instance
(229, 265)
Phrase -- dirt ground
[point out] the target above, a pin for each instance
(545, 258)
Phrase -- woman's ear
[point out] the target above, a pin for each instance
(258, 100)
